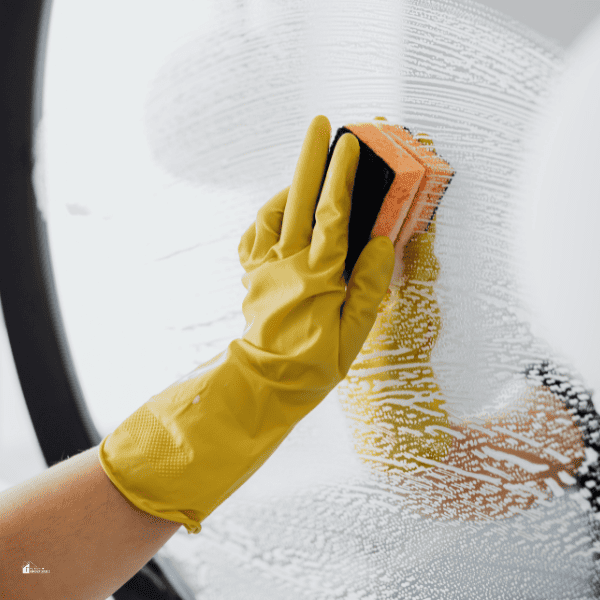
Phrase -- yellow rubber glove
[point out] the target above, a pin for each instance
(190, 447)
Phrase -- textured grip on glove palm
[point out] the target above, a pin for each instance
(190, 447)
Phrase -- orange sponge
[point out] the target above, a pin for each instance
(398, 186)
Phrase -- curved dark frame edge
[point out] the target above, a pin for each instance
(54, 398)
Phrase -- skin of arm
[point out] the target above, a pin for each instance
(72, 521)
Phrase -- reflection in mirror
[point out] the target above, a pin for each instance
(457, 459)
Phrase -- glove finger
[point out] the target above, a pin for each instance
(330, 236)
(264, 233)
(367, 287)
(297, 227)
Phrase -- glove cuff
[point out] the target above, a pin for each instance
(187, 449)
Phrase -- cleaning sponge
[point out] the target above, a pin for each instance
(398, 185)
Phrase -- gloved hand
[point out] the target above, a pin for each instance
(190, 447)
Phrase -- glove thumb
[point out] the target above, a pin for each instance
(367, 287)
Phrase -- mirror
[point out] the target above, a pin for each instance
(445, 465)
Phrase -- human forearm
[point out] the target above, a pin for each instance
(72, 521)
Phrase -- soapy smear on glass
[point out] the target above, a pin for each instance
(445, 464)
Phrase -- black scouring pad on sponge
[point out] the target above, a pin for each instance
(398, 185)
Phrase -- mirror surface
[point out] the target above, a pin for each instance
(441, 466)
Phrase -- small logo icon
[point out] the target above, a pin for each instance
(29, 567)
